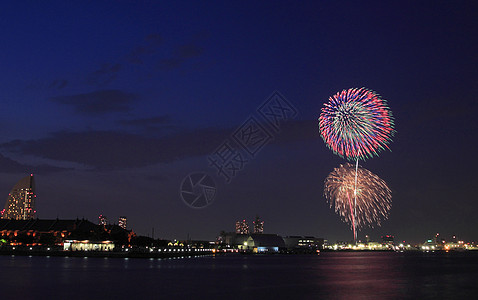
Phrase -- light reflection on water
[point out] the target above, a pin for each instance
(332, 275)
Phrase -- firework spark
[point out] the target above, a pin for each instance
(374, 197)
(356, 124)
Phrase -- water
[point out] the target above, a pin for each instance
(332, 275)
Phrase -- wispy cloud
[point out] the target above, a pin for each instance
(8, 165)
(104, 75)
(146, 122)
(106, 150)
(117, 150)
(181, 55)
(98, 102)
(155, 126)
(138, 54)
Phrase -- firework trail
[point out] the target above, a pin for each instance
(373, 196)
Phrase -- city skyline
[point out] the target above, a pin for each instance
(25, 187)
(113, 107)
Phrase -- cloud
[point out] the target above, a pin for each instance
(8, 165)
(138, 54)
(108, 150)
(154, 39)
(188, 51)
(41, 84)
(181, 55)
(155, 126)
(146, 122)
(98, 102)
(168, 64)
(104, 75)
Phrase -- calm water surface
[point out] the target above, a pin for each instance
(331, 275)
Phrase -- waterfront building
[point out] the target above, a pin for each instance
(86, 245)
(232, 239)
(388, 239)
(20, 204)
(35, 232)
(122, 221)
(302, 243)
(242, 227)
(263, 243)
(258, 225)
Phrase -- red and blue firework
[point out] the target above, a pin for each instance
(356, 124)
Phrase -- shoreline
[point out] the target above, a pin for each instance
(104, 254)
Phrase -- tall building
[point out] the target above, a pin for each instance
(122, 222)
(20, 203)
(242, 227)
(102, 220)
(258, 225)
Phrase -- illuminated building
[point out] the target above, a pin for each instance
(242, 227)
(20, 203)
(102, 220)
(86, 245)
(263, 243)
(388, 239)
(36, 232)
(258, 225)
(303, 243)
(122, 222)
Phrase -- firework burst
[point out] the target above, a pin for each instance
(356, 124)
(373, 196)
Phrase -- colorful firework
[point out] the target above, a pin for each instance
(373, 196)
(356, 124)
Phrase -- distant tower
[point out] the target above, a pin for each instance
(242, 227)
(102, 220)
(258, 225)
(122, 222)
(20, 203)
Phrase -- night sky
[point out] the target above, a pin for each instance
(111, 104)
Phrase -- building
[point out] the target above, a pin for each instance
(258, 225)
(86, 245)
(36, 232)
(303, 243)
(232, 239)
(122, 221)
(242, 227)
(20, 203)
(263, 243)
(388, 240)
(102, 220)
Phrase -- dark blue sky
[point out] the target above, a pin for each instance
(112, 103)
